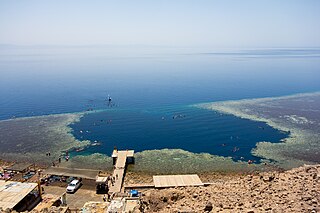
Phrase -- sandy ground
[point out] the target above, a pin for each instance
(76, 201)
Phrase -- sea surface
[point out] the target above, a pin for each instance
(153, 90)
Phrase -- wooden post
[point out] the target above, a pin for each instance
(39, 189)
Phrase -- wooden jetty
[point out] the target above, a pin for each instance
(120, 160)
(162, 181)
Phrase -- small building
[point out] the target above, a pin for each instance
(102, 185)
(50, 200)
(19, 167)
(18, 196)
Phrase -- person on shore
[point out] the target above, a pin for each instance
(59, 159)
(112, 181)
(104, 198)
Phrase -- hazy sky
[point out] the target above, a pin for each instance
(216, 23)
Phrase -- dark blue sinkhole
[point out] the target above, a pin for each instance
(184, 127)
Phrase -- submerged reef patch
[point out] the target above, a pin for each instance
(92, 161)
(172, 161)
(30, 139)
(169, 161)
(298, 115)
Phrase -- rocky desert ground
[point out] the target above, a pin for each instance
(296, 190)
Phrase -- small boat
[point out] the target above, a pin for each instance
(96, 144)
(79, 149)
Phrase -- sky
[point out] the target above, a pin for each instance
(192, 23)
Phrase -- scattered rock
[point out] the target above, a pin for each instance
(208, 207)
(306, 198)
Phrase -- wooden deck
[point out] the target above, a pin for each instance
(118, 172)
(162, 181)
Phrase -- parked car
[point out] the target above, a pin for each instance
(73, 186)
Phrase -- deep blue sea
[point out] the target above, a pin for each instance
(152, 90)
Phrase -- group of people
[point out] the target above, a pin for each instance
(66, 157)
(112, 179)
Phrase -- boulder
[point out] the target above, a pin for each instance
(208, 207)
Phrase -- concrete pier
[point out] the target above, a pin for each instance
(120, 160)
